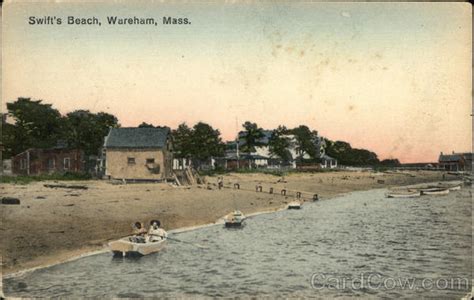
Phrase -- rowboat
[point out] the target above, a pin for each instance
(128, 247)
(451, 186)
(294, 205)
(234, 219)
(435, 191)
(403, 194)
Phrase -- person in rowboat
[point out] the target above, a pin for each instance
(156, 233)
(139, 229)
(139, 232)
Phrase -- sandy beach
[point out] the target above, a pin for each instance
(52, 225)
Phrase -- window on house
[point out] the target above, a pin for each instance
(51, 163)
(150, 160)
(155, 169)
(131, 160)
(67, 163)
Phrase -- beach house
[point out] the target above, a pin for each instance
(455, 161)
(133, 153)
(59, 159)
(262, 157)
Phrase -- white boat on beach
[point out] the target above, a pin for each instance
(403, 194)
(126, 247)
(294, 205)
(449, 187)
(234, 219)
(435, 191)
(455, 188)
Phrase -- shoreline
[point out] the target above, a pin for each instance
(219, 221)
(88, 253)
(59, 256)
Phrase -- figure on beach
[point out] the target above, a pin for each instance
(156, 233)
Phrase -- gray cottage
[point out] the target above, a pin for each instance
(138, 153)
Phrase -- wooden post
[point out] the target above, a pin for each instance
(315, 197)
(283, 192)
(271, 190)
(298, 195)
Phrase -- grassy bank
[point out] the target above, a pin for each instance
(55, 176)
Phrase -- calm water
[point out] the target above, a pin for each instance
(282, 254)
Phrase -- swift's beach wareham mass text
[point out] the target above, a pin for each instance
(110, 20)
(236, 150)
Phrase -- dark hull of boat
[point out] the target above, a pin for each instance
(130, 254)
(294, 207)
(233, 224)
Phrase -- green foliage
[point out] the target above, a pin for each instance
(9, 136)
(390, 163)
(145, 125)
(279, 144)
(346, 155)
(199, 143)
(304, 141)
(212, 172)
(55, 176)
(85, 130)
(273, 172)
(251, 137)
(206, 142)
(36, 125)
(182, 141)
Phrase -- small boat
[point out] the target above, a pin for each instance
(129, 247)
(435, 191)
(403, 194)
(234, 219)
(294, 205)
(453, 188)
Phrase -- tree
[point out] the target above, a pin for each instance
(304, 141)
(391, 162)
(346, 155)
(8, 134)
(199, 143)
(251, 137)
(145, 125)
(206, 142)
(85, 130)
(182, 140)
(35, 125)
(279, 144)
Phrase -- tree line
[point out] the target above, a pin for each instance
(39, 125)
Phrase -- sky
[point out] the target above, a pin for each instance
(394, 78)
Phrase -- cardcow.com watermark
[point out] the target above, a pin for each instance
(375, 281)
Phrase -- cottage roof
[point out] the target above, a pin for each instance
(133, 137)
(450, 157)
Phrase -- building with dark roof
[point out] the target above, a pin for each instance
(455, 161)
(138, 153)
